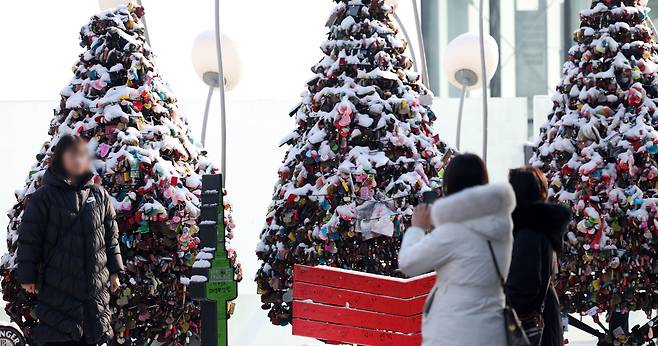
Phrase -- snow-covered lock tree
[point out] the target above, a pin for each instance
(361, 154)
(147, 160)
(598, 151)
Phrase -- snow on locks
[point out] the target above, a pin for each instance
(598, 150)
(362, 152)
(147, 160)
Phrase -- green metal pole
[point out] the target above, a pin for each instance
(220, 287)
(222, 327)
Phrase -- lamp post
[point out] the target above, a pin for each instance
(465, 62)
(108, 4)
(212, 70)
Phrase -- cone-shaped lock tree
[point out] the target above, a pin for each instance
(361, 154)
(145, 157)
(598, 151)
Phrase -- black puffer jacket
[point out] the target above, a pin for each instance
(538, 231)
(67, 245)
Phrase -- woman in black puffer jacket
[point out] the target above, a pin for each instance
(538, 231)
(68, 253)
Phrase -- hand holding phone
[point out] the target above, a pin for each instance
(421, 217)
(429, 197)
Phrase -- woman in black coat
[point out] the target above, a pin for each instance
(68, 253)
(538, 230)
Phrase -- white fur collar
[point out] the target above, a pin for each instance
(475, 203)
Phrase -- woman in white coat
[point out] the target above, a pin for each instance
(465, 307)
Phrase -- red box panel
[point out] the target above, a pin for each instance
(342, 306)
(357, 318)
(363, 282)
(358, 300)
(335, 333)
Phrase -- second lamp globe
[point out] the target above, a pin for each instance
(109, 4)
(393, 2)
(204, 59)
(462, 63)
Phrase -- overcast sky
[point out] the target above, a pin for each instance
(278, 42)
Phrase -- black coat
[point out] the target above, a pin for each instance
(538, 231)
(67, 245)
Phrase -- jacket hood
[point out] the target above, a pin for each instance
(549, 219)
(54, 179)
(483, 209)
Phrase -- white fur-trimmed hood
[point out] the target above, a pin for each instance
(484, 209)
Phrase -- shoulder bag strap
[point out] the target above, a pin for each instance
(493, 257)
(549, 282)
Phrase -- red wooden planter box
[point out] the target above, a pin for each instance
(342, 306)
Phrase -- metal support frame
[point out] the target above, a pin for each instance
(146, 30)
(211, 90)
(652, 27)
(422, 60)
(467, 79)
(460, 115)
(222, 89)
(412, 51)
(421, 43)
(485, 81)
(216, 80)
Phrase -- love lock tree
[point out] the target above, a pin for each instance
(362, 152)
(147, 160)
(598, 151)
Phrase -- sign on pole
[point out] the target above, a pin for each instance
(213, 282)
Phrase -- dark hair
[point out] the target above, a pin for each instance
(66, 143)
(464, 171)
(530, 185)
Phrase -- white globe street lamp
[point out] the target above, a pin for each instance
(462, 64)
(111, 4)
(204, 59)
(461, 61)
(206, 52)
